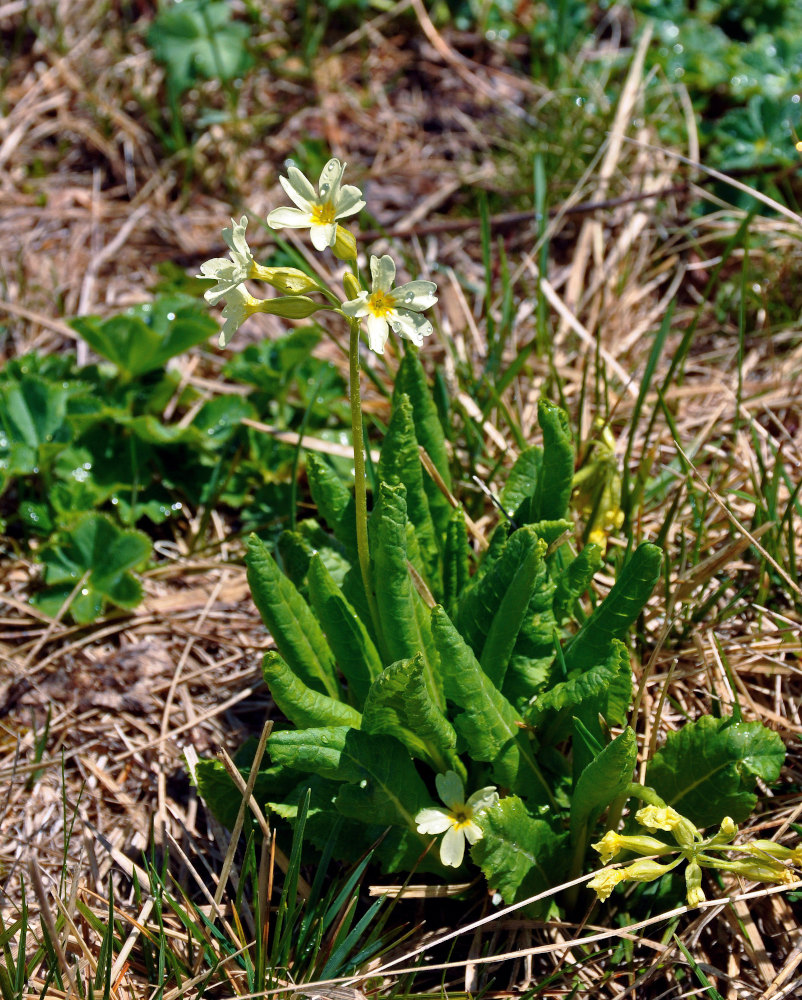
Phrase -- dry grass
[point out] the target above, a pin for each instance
(89, 207)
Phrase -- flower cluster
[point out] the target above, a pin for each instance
(383, 307)
(765, 861)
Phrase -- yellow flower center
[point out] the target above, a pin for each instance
(323, 215)
(380, 303)
(461, 818)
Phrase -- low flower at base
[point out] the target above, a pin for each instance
(457, 820)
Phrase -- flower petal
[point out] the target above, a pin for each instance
(298, 188)
(330, 177)
(485, 798)
(473, 832)
(416, 295)
(433, 820)
(452, 850)
(382, 270)
(357, 307)
(410, 325)
(450, 789)
(235, 238)
(378, 332)
(349, 201)
(323, 235)
(289, 218)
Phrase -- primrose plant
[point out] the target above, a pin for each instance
(417, 660)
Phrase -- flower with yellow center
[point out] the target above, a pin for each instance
(389, 308)
(606, 880)
(318, 210)
(458, 820)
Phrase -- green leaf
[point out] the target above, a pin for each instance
(33, 412)
(575, 579)
(334, 502)
(403, 617)
(602, 781)
(496, 603)
(222, 796)
(198, 40)
(488, 723)
(555, 481)
(521, 484)
(317, 751)
(456, 562)
(400, 463)
(399, 704)
(555, 706)
(410, 380)
(618, 610)
(520, 856)
(290, 621)
(354, 650)
(707, 769)
(97, 549)
(147, 336)
(303, 706)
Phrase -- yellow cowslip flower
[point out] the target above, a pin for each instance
(613, 843)
(606, 880)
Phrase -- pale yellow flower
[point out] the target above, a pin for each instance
(458, 820)
(317, 211)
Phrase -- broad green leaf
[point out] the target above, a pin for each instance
(146, 337)
(521, 484)
(317, 751)
(411, 381)
(198, 40)
(708, 768)
(555, 481)
(552, 709)
(481, 602)
(399, 704)
(532, 660)
(403, 617)
(520, 856)
(400, 463)
(101, 554)
(334, 501)
(32, 413)
(290, 621)
(223, 797)
(575, 579)
(602, 781)
(303, 706)
(354, 651)
(456, 562)
(488, 723)
(618, 610)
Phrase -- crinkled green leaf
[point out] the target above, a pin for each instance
(456, 562)
(354, 650)
(303, 706)
(400, 462)
(317, 751)
(487, 723)
(334, 501)
(411, 381)
(618, 610)
(521, 856)
(555, 481)
(708, 768)
(521, 484)
(553, 708)
(398, 704)
(404, 618)
(602, 781)
(575, 579)
(290, 621)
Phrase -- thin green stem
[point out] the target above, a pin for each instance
(360, 488)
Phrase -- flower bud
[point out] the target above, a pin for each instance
(693, 883)
(344, 247)
(290, 306)
(285, 279)
(646, 870)
(760, 870)
(351, 286)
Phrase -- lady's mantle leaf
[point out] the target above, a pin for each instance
(707, 769)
